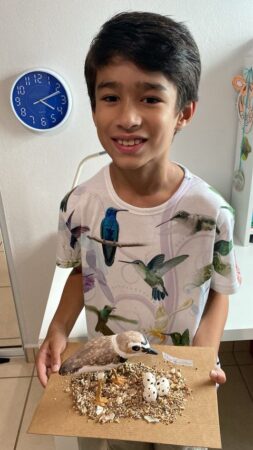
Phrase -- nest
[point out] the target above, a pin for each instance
(126, 401)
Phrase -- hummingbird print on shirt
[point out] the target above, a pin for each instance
(104, 315)
(194, 222)
(109, 231)
(153, 272)
(76, 231)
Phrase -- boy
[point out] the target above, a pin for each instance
(171, 266)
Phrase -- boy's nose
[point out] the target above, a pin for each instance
(129, 117)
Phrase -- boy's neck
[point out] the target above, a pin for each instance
(146, 189)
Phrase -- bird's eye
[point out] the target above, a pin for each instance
(136, 348)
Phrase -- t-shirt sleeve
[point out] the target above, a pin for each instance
(68, 253)
(226, 274)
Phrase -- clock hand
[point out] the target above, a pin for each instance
(48, 96)
(47, 104)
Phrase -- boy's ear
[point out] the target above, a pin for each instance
(185, 116)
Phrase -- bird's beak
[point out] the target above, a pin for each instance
(128, 262)
(150, 351)
(122, 210)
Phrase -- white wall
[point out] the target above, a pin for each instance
(36, 170)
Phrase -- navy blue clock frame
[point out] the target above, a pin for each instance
(41, 99)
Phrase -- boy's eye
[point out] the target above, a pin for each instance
(110, 98)
(151, 100)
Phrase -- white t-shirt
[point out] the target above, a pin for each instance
(157, 279)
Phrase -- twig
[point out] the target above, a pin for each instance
(114, 243)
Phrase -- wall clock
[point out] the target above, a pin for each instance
(41, 99)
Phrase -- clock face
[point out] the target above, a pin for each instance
(41, 100)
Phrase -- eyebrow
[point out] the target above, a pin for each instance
(144, 85)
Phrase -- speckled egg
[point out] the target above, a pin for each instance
(148, 379)
(150, 393)
(163, 386)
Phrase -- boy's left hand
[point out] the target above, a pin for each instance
(218, 375)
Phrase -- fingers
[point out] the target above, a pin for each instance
(42, 367)
(218, 376)
(49, 356)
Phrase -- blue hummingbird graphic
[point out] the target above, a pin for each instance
(152, 272)
(109, 231)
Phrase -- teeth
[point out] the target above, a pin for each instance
(129, 142)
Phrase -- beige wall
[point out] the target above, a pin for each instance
(36, 170)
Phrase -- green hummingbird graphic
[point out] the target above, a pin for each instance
(195, 222)
(152, 272)
(178, 338)
(104, 315)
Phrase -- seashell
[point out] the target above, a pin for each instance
(106, 418)
(150, 393)
(99, 410)
(150, 419)
(163, 386)
(148, 379)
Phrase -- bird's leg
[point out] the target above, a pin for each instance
(99, 400)
(117, 379)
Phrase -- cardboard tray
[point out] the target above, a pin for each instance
(198, 426)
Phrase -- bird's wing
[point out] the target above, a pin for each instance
(123, 319)
(97, 352)
(68, 223)
(170, 264)
(156, 262)
(92, 308)
(64, 202)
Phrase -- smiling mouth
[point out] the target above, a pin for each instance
(129, 142)
(126, 145)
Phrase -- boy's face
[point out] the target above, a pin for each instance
(135, 115)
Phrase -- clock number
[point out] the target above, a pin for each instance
(21, 90)
(63, 100)
(53, 118)
(33, 119)
(37, 78)
(43, 121)
(17, 100)
(59, 108)
(27, 81)
(23, 112)
(57, 86)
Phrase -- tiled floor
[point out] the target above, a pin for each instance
(20, 391)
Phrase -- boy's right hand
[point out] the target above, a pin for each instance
(48, 359)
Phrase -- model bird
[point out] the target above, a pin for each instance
(152, 272)
(195, 222)
(106, 353)
(109, 231)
